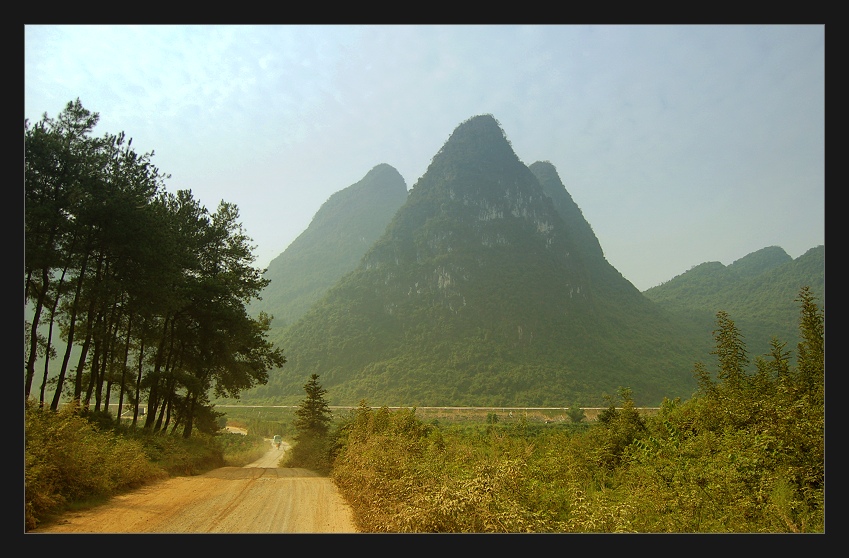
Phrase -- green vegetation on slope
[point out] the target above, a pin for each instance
(758, 289)
(479, 294)
(746, 454)
(343, 229)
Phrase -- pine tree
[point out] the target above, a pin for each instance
(312, 418)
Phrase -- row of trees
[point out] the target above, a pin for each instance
(149, 286)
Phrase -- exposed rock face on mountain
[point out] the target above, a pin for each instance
(577, 227)
(343, 229)
(488, 287)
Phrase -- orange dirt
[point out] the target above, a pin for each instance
(257, 498)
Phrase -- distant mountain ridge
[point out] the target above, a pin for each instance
(757, 291)
(488, 287)
(341, 231)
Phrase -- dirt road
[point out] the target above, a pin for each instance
(257, 498)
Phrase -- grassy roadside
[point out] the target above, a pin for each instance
(73, 462)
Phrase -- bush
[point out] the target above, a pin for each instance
(69, 459)
(310, 453)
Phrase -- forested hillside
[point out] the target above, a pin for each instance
(757, 290)
(745, 454)
(343, 229)
(486, 289)
(483, 286)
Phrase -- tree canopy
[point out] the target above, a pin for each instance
(147, 289)
(312, 417)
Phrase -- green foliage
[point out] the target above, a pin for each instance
(811, 348)
(312, 424)
(758, 290)
(70, 460)
(310, 453)
(576, 414)
(480, 293)
(240, 450)
(145, 288)
(744, 454)
(67, 458)
(618, 429)
(730, 350)
(313, 416)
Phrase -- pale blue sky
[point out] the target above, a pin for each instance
(681, 144)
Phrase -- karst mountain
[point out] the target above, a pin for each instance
(342, 230)
(487, 287)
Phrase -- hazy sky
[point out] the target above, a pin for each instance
(680, 144)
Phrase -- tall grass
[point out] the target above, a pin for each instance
(240, 450)
(627, 473)
(745, 455)
(70, 460)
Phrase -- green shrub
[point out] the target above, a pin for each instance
(310, 452)
(69, 458)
